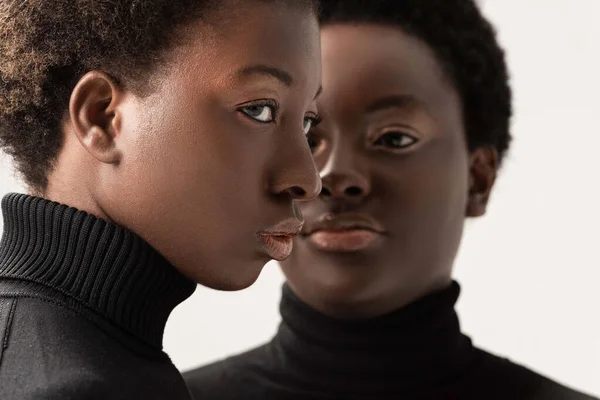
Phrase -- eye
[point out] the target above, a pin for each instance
(396, 140)
(313, 141)
(263, 111)
(310, 121)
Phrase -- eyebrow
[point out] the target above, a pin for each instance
(274, 72)
(395, 101)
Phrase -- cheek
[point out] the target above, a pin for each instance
(191, 187)
(190, 177)
(429, 191)
(425, 209)
(201, 153)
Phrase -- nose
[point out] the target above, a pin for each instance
(344, 176)
(294, 171)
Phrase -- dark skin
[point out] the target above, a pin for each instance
(398, 179)
(207, 167)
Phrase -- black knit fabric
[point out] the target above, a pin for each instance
(83, 306)
(417, 352)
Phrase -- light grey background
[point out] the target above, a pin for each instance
(530, 269)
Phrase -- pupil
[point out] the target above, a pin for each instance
(255, 110)
(395, 140)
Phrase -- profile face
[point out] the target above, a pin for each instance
(393, 157)
(215, 156)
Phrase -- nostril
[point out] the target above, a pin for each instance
(297, 192)
(353, 191)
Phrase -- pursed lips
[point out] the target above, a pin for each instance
(277, 242)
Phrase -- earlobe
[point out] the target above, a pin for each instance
(483, 167)
(92, 115)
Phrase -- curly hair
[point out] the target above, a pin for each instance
(47, 45)
(464, 43)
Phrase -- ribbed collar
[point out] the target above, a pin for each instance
(416, 349)
(105, 268)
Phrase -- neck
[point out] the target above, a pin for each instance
(66, 175)
(91, 263)
(338, 306)
(415, 347)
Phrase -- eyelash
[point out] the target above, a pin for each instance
(261, 103)
(402, 134)
(315, 120)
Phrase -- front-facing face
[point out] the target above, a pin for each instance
(207, 166)
(393, 157)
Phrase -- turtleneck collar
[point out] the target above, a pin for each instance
(96, 264)
(417, 348)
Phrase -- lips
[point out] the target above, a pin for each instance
(343, 241)
(344, 232)
(278, 242)
(278, 247)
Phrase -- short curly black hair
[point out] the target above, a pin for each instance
(465, 44)
(47, 45)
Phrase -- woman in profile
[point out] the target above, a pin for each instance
(416, 107)
(163, 144)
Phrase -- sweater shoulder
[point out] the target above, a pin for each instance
(230, 377)
(60, 387)
(550, 390)
(493, 372)
(50, 352)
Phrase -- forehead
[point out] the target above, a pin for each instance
(366, 62)
(280, 34)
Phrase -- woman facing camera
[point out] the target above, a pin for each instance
(164, 143)
(416, 108)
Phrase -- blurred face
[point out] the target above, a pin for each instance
(393, 157)
(212, 161)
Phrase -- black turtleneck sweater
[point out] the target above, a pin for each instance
(417, 352)
(83, 306)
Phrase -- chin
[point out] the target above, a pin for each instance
(343, 289)
(231, 277)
